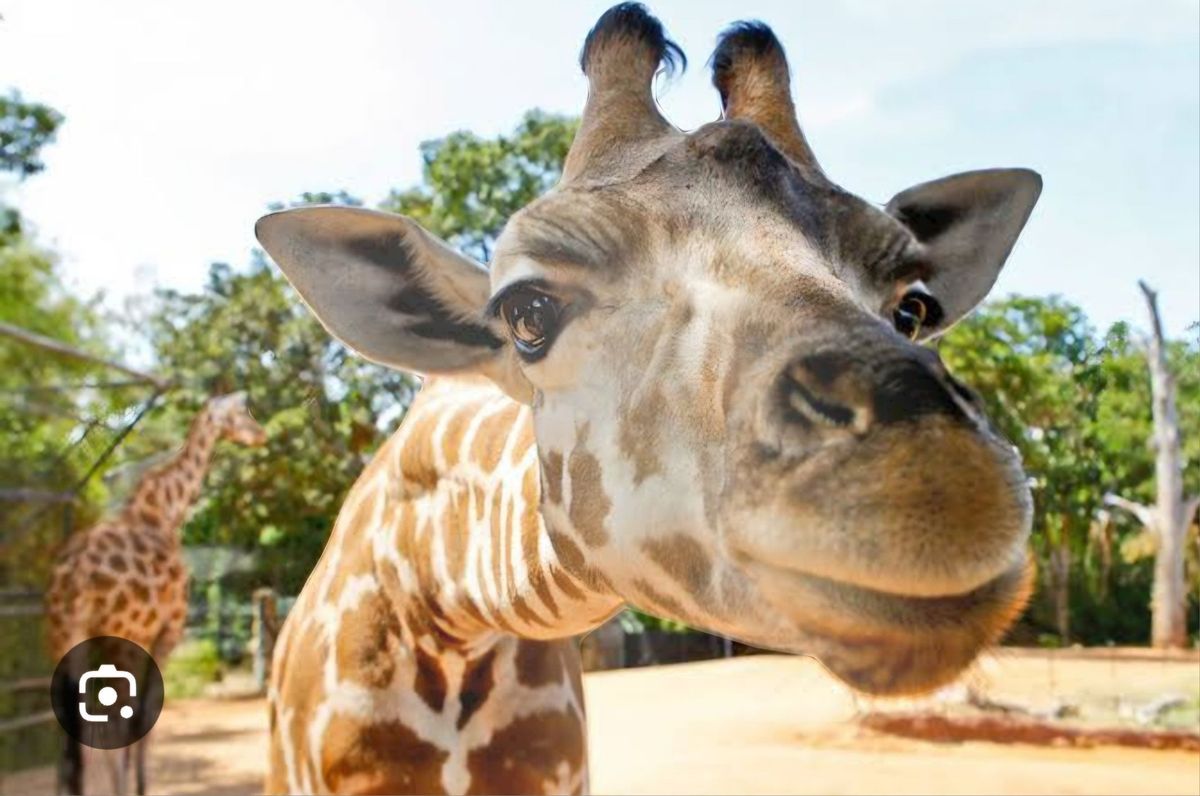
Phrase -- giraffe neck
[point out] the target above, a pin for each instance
(441, 614)
(165, 494)
(453, 520)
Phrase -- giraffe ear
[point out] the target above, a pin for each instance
(967, 224)
(391, 291)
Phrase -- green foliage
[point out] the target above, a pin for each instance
(1077, 406)
(40, 426)
(634, 620)
(192, 667)
(473, 185)
(36, 425)
(25, 127)
(324, 409)
(320, 198)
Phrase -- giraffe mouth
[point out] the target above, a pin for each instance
(886, 643)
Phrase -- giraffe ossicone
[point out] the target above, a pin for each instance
(692, 381)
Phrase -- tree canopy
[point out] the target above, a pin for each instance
(41, 424)
(471, 185)
(1076, 403)
(25, 129)
(326, 410)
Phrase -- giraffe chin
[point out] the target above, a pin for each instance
(887, 644)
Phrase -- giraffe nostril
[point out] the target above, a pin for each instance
(810, 392)
(909, 389)
(816, 410)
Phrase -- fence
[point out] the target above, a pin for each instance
(39, 499)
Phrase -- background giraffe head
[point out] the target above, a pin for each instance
(233, 421)
(736, 423)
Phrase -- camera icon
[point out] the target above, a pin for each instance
(107, 695)
(107, 692)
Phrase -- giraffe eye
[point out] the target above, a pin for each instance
(533, 319)
(915, 310)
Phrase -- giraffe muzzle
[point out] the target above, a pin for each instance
(894, 644)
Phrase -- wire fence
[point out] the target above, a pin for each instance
(43, 500)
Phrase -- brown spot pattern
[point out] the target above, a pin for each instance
(530, 532)
(658, 602)
(574, 562)
(589, 504)
(367, 640)
(478, 680)
(539, 663)
(684, 559)
(359, 757)
(430, 682)
(552, 475)
(527, 753)
(638, 435)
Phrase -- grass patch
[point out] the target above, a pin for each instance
(193, 665)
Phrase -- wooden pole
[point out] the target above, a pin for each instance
(265, 628)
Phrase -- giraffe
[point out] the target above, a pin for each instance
(693, 381)
(126, 577)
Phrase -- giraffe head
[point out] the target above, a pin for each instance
(738, 424)
(233, 420)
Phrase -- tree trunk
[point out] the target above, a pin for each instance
(1060, 573)
(1169, 600)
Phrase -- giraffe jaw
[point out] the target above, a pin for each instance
(890, 644)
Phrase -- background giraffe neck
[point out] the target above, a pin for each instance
(165, 494)
(467, 544)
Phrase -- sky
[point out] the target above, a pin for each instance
(186, 120)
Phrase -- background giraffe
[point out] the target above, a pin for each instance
(688, 382)
(125, 576)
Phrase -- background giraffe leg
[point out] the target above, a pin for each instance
(161, 648)
(116, 774)
(139, 763)
(70, 767)
(70, 762)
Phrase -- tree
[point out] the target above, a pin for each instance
(48, 435)
(472, 185)
(40, 422)
(1033, 362)
(1168, 520)
(25, 128)
(325, 411)
(1077, 406)
(325, 408)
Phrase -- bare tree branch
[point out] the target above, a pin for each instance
(1169, 592)
(1152, 301)
(1144, 514)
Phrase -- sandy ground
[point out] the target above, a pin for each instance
(763, 724)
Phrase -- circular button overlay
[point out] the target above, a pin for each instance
(107, 692)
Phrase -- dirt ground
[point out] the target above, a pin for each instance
(764, 724)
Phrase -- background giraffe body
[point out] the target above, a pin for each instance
(125, 576)
(689, 380)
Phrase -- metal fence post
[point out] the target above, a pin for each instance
(265, 625)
